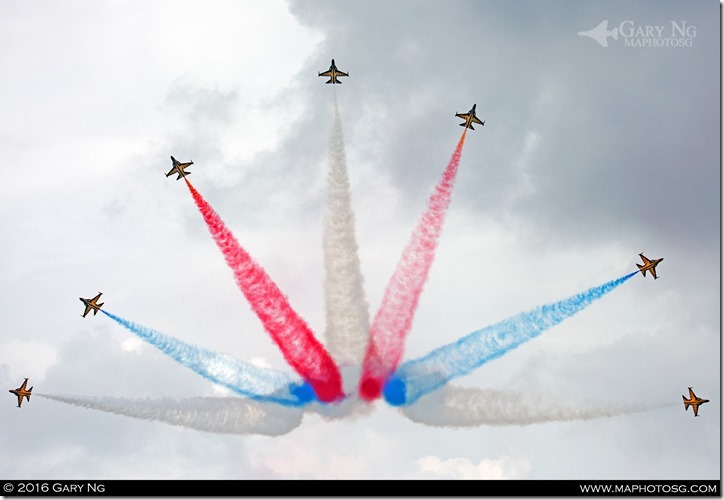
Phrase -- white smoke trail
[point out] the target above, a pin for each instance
(346, 305)
(220, 415)
(472, 407)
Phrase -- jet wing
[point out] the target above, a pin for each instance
(696, 409)
(477, 120)
(94, 299)
(326, 73)
(342, 73)
(692, 396)
(180, 171)
(25, 384)
(653, 272)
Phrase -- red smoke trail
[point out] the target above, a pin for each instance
(394, 317)
(295, 339)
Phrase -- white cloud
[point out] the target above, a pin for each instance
(462, 468)
(132, 344)
(322, 449)
(37, 358)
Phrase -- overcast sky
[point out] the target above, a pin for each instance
(589, 156)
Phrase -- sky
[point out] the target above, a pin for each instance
(589, 156)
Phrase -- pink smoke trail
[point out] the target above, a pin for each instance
(394, 317)
(300, 348)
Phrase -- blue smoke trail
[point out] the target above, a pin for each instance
(260, 384)
(418, 377)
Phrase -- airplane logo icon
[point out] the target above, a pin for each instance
(601, 33)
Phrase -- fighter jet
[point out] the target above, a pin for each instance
(92, 304)
(21, 392)
(693, 401)
(333, 73)
(178, 168)
(469, 118)
(601, 33)
(649, 265)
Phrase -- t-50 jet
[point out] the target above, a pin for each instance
(178, 168)
(92, 304)
(21, 392)
(649, 265)
(693, 401)
(469, 118)
(333, 73)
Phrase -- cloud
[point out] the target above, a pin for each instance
(462, 468)
(44, 355)
(323, 449)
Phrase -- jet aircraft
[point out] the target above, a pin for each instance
(469, 118)
(693, 401)
(601, 33)
(22, 392)
(92, 304)
(649, 265)
(178, 168)
(333, 73)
